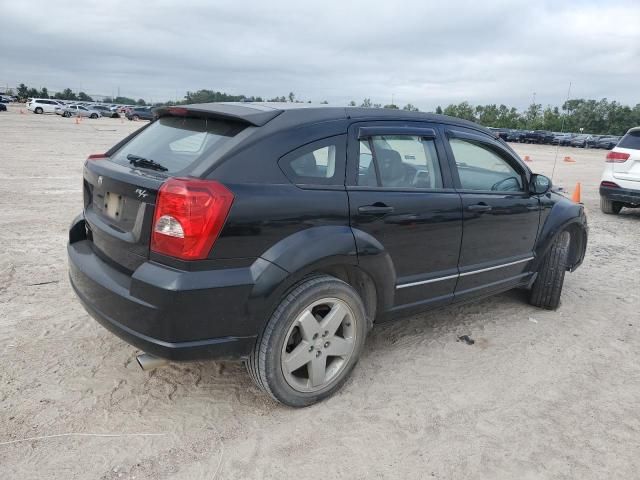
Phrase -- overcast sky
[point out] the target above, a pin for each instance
(423, 52)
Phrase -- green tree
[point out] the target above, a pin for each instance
(66, 94)
(83, 97)
(22, 91)
(463, 110)
(292, 97)
(533, 116)
(366, 103)
(141, 102)
(44, 93)
(439, 110)
(392, 106)
(124, 101)
(352, 103)
(410, 108)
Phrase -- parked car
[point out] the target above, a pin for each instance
(516, 136)
(607, 142)
(106, 111)
(562, 139)
(279, 236)
(591, 140)
(140, 113)
(3, 107)
(538, 136)
(579, 140)
(620, 184)
(43, 105)
(500, 132)
(78, 111)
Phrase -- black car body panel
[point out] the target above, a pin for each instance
(406, 247)
(538, 136)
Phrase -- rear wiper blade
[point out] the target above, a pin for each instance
(139, 161)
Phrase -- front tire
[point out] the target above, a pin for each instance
(311, 343)
(93, 115)
(38, 110)
(609, 206)
(547, 288)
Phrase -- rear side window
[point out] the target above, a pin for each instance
(317, 163)
(176, 143)
(399, 161)
(630, 140)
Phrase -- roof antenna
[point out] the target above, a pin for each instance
(555, 160)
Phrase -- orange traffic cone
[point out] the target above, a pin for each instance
(576, 193)
(527, 158)
(569, 160)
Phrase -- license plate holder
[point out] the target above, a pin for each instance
(113, 205)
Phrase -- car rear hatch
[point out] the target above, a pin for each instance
(121, 186)
(627, 168)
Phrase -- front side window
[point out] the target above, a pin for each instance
(399, 161)
(480, 168)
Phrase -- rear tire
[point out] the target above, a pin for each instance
(609, 206)
(93, 115)
(322, 319)
(547, 288)
(135, 118)
(38, 110)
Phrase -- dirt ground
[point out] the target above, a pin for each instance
(539, 395)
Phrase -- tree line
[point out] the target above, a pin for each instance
(576, 115)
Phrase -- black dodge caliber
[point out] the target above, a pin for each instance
(278, 235)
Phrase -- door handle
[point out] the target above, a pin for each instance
(480, 207)
(375, 209)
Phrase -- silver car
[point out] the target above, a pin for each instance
(78, 111)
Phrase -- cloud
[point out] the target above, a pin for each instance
(423, 52)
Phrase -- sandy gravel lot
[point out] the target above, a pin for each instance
(539, 395)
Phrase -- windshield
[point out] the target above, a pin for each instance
(175, 143)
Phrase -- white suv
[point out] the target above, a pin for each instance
(620, 185)
(43, 105)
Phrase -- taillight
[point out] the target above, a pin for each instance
(189, 216)
(617, 157)
(606, 183)
(97, 156)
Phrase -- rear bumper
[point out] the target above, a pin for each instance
(169, 313)
(623, 195)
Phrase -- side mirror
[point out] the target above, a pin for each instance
(539, 184)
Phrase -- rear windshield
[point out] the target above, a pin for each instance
(176, 143)
(630, 140)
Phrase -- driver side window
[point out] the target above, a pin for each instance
(480, 168)
(399, 161)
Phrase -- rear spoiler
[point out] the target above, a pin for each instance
(256, 115)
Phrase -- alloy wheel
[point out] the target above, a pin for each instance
(319, 345)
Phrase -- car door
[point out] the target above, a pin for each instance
(401, 197)
(501, 217)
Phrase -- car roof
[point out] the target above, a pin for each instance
(260, 113)
(633, 130)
